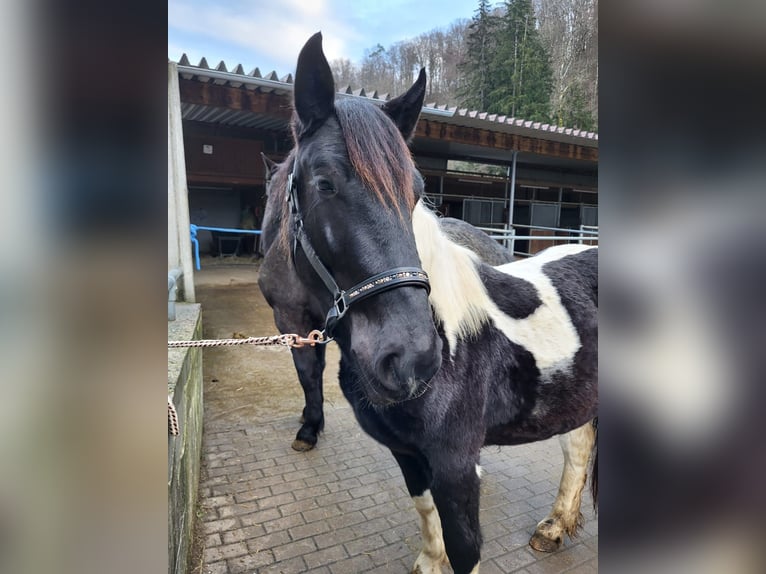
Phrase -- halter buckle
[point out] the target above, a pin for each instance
(341, 304)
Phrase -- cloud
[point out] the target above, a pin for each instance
(269, 30)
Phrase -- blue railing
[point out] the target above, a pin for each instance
(195, 228)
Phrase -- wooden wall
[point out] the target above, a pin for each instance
(234, 161)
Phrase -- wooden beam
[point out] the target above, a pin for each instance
(273, 104)
(279, 105)
(505, 141)
(218, 179)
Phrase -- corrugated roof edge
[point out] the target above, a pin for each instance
(433, 111)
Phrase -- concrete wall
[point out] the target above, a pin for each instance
(184, 450)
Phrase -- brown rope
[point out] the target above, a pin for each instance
(288, 340)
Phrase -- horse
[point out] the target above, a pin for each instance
(441, 354)
(292, 315)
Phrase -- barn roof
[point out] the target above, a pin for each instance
(271, 82)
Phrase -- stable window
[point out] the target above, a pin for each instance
(590, 216)
(545, 214)
(483, 213)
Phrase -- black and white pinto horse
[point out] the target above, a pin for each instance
(488, 356)
(292, 313)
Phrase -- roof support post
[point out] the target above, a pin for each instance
(511, 194)
(179, 238)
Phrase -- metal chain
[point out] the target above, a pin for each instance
(288, 340)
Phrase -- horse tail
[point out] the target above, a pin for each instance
(594, 469)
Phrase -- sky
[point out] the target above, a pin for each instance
(268, 34)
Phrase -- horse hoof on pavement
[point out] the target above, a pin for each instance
(302, 445)
(543, 544)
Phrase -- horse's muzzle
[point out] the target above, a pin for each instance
(402, 370)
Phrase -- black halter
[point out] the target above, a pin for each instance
(343, 299)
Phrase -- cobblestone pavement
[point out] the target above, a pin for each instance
(342, 508)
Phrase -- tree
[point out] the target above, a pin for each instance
(375, 68)
(531, 59)
(393, 70)
(344, 72)
(520, 69)
(570, 30)
(481, 46)
(574, 110)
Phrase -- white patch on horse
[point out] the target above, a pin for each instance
(462, 304)
(479, 471)
(548, 333)
(433, 554)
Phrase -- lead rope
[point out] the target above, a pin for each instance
(290, 340)
(172, 419)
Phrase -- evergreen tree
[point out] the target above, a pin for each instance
(481, 47)
(521, 68)
(575, 111)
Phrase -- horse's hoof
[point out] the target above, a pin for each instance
(427, 565)
(543, 544)
(302, 445)
(430, 570)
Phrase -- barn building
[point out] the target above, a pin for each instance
(493, 171)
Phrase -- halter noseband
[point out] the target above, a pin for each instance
(343, 299)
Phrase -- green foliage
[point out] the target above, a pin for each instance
(476, 167)
(530, 59)
(508, 68)
(481, 45)
(574, 111)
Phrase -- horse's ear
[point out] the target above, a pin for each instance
(314, 87)
(270, 165)
(405, 109)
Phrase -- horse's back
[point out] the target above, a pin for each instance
(571, 268)
(465, 234)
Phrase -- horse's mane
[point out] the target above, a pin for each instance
(277, 211)
(377, 152)
(458, 295)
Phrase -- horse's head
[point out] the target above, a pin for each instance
(356, 186)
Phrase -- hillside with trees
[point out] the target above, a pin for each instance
(531, 59)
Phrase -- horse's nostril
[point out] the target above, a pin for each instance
(390, 371)
(401, 370)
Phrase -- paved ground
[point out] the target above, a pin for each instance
(343, 507)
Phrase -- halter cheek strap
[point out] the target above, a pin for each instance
(343, 299)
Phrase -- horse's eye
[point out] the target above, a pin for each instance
(325, 185)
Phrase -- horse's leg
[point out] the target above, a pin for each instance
(565, 518)
(417, 478)
(456, 495)
(310, 363)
